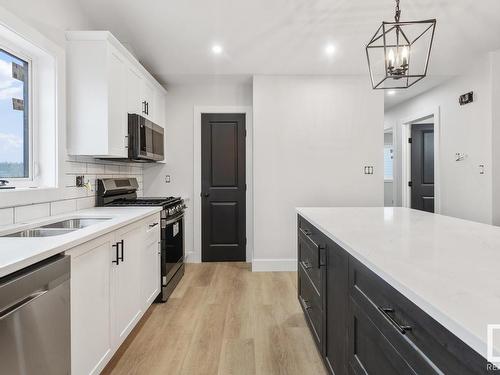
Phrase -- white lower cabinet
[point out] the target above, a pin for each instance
(126, 278)
(150, 282)
(91, 344)
(112, 285)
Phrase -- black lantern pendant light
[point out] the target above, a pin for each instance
(398, 54)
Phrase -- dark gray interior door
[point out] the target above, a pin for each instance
(223, 187)
(422, 167)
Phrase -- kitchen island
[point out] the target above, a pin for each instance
(424, 282)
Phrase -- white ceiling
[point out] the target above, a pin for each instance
(174, 37)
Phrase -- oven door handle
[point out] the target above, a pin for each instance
(174, 220)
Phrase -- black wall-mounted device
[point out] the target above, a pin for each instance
(466, 98)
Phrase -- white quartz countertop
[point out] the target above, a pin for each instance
(449, 267)
(19, 252)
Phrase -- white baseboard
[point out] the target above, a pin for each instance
(274, 265)
(190, 257)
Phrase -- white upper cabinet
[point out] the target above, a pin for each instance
(147, 100)
(105, 84)
(134, 82)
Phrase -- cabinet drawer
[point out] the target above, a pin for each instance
(309, 260)
(312, 306)
(369, 350)
(425, 344)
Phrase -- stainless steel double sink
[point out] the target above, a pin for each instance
(58, 228)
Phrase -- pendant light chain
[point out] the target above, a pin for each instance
(398, 11)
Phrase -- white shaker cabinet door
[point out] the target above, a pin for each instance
(134, 83)
(91, 342)
(126, 279)
(117, 109)
(150, 264)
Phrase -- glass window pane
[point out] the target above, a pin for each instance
(14, 118)
(388, 160)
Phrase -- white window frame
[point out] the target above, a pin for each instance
(31, 180)
(48, 111)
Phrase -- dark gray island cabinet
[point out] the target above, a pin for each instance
(362, 325)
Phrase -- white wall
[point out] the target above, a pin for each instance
(52, 18)
(312, 137)
(181, 99)
(466, 129)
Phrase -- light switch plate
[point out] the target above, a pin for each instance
(368, 169)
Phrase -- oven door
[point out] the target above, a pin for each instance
(172, 246)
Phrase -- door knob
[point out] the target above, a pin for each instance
(205, 195)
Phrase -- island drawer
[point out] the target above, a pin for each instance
(309, 260)
(425, 344)
(311, 305)
(370, 352)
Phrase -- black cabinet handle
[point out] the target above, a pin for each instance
(153, 225)
(307, 232)
(205, 195)
(147, 108)
(307, 306)
(319, 248)
(117, 261)
(387, 313)
(306, 265)
(144, 107)
(123, 250)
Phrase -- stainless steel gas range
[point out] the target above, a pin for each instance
(120, 192)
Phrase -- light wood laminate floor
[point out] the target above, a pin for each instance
(223, 319)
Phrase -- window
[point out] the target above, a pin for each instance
(388, 161)
(14, 117)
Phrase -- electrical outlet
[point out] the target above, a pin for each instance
(80, 181)
(481, 168)
(167, 179)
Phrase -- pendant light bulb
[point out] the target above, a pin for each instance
(390, 59)
(404, 55)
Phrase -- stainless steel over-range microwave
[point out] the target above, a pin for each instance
(145, 139)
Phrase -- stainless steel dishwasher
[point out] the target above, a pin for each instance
(35, 319)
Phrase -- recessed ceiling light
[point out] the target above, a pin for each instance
(330, 49)
(216, 49)
(391, 92)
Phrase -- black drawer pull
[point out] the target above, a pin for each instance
(306, 265)
(307, 306)
(319, 248)
(123, 250)
(387, 312)
(117, 247)
(307, 232)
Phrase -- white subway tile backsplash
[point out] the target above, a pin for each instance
(111, 169)
(74, 198)
(62, 207)
(74, 192)
(34, 211)
(95, 168)
(83, 203)
(6, 216)
(76, 167)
